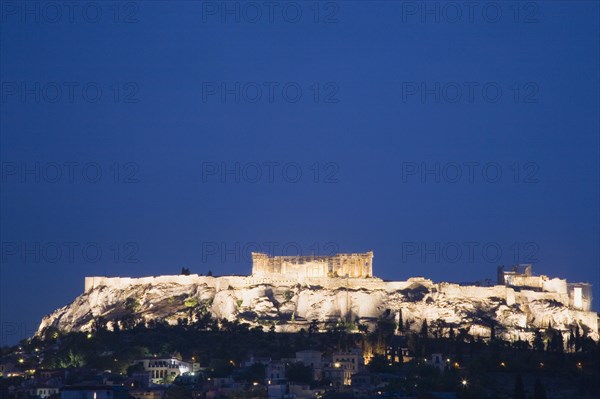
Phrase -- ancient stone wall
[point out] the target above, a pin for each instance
(510, 295)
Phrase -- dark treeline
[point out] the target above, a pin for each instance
(222, 345)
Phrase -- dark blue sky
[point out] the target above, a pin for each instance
(364, 112)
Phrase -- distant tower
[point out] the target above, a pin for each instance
(501, 280)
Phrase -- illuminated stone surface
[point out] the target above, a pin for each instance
(294, 302)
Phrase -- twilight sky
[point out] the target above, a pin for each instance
(141, 137)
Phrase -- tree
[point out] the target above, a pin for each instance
(178, 392)
(288, 295)
(313, 327)
(539, 391)
(255, 372)
(363, 328)
(116, 327)
(298, 372)
(400, 322)
(99, 325)
(378, 364)
(132, 304)
(71, 359)
(556, 341)
(185, 271)
(571, 340)
(519, 392)
(538, 342)
(407, 326)
(438, 328)
(451, 334)
(221, 368)
(424, 329)
(50, 334)
(413, 343)
(209, 273)
(135, 368)
(129, 321)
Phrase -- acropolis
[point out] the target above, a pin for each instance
(297, 289)
(354, 265)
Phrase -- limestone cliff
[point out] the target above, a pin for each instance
(292, 304)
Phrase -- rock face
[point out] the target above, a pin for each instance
(293, 304)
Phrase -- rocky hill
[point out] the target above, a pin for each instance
(293, 304)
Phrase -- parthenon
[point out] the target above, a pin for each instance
(354, 265)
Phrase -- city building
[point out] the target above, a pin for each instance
(148, 393)
(6, 368)
(312, 359)
(275, 372)
(164, 370)
(41, 391)
(438, 361)
(343, 366)
(521, 277)
(94, 392)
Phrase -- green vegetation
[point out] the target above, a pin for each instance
(132, 304)
(288, 295)
(191, 302)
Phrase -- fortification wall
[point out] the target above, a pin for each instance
(244, 282)
(526, 296)
(408, 284)
(472, 291)
(238, 281)
(123, 282)
(557, 286)
(541, 282)
(525, 281)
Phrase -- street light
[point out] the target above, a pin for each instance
(464, 384)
